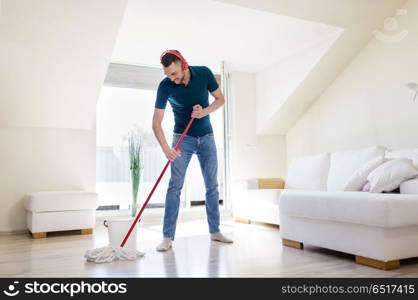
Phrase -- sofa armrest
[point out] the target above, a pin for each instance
(270, 183)
(256, 203)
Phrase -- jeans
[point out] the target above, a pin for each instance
(205, 149)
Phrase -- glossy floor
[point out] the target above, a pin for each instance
(256, 252)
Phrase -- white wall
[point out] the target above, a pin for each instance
(42, 159)
(53, 61)
(252, 155)
(368, 103)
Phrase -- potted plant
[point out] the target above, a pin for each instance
(135, 145)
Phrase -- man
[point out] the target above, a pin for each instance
(186, 88)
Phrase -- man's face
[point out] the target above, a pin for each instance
(174, 72)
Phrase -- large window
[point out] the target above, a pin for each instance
(122, 109)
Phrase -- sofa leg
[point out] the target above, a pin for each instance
(87, 231)
(39, 235)
(293, 244)
(383, 265)
(243, 220)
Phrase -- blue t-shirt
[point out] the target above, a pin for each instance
(182, 99)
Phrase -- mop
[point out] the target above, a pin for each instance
(109, 253)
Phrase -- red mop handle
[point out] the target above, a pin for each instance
(156, 184)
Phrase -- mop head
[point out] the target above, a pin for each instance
(110, 254)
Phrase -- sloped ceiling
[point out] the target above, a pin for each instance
(208, 32)
(358, 18)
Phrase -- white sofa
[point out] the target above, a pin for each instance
(378, 228)
(255, 202)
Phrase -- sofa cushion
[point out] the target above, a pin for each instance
(411, 154)
(60, 201)
(382, 210)
(308, 172)
(409, 186)
(389, 175)
(358, 180)
(344, 164)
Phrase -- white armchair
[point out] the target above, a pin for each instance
(257, 199)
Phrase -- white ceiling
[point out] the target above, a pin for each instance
(208, 32)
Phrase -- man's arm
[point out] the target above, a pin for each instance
(199, 112)
(157, 119)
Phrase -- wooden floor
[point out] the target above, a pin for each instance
(256, 252)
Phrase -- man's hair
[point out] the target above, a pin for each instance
(168, 58)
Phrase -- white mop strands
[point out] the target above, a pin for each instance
(113, 252)
(110, 254)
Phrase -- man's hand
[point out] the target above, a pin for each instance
(172, 153)
(198, 112)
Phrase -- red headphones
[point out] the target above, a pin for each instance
(184, 63)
